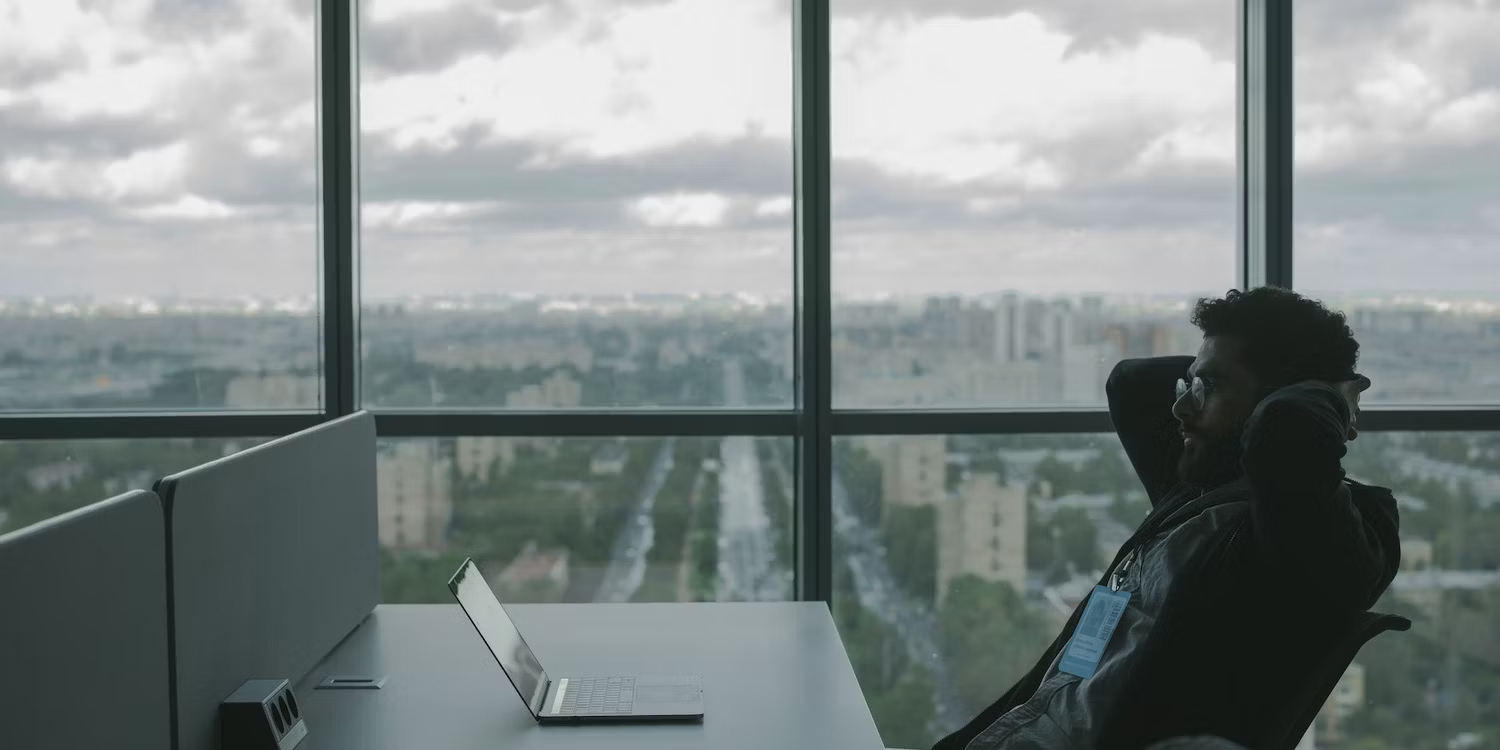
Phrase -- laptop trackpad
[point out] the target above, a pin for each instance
(669, 696)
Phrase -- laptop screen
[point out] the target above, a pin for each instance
(500, 634)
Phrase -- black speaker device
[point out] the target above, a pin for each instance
(261, 715)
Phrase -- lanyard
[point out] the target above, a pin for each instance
(1118, 576)
(1152, 526)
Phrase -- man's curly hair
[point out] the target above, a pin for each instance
(1288, 338)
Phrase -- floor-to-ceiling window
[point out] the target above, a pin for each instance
(581, 206)
(708, 300)
(1023, 195)
(1397, 190)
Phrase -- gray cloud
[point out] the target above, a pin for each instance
(564, 227)
(868, 196)
(30, 130)
(185, 19)
(1093, 24)
(1434, 189)
(1348, 23)
(224, 167)
(588, 195)
(18, 210)
(432, 40)
(499, 172)
(24, 73)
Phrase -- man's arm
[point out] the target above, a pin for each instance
(1141, 392)
(1307, 528)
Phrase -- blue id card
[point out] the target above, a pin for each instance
(1100, 617)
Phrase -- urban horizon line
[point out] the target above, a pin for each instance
(1487, 301)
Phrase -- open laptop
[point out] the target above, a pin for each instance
(569, 699)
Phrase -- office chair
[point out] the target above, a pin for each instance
(1315, 690)
(1203, 742)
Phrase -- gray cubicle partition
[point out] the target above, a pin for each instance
(83, 629)
(273, 557)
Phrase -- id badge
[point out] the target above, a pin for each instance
(1100, 618)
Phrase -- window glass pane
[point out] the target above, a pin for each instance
(958, 559)
(1022, 189)
(158, 196)
(41, 479)
(1397, 196)
(576, 204)
(588, 519)
(1437, 685)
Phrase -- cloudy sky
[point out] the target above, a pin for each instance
(584, 146)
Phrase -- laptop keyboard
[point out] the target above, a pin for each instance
(599, 696)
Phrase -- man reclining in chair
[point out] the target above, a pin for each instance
(1257, 554)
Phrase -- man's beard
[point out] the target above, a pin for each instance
(1211, 461)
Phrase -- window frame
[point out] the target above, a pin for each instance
(1264, 246)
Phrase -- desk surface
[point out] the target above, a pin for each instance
(774, 676)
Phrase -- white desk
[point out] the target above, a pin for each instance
(775, 677)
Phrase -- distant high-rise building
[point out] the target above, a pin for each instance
(609, 459)
(558, 391)
(1054, 329)
(1091, 318)
(977, 331)
(1010, 330)
(671, 353)
(1025, 382)
(1167, 340)
(414, 494)
(61, 475)
(981, 530)
(942, 318)
(1476, 623)
(504, 352)
(478, 457)
(258, 390)
(1149, 339)
(912, 469)
(535, 575)
(1347, 698)
(1416, 554)
(1083, 370)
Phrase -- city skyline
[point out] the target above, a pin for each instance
(1003, 350)
(138, 302)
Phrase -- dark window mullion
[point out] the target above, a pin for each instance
(1266, 135)
(811, 134)
(338, 202)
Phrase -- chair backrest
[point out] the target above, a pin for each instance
(1312, 693)
(1200, 742)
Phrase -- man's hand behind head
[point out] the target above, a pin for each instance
(1350, 390)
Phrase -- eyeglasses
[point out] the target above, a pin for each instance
(1198, 388)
